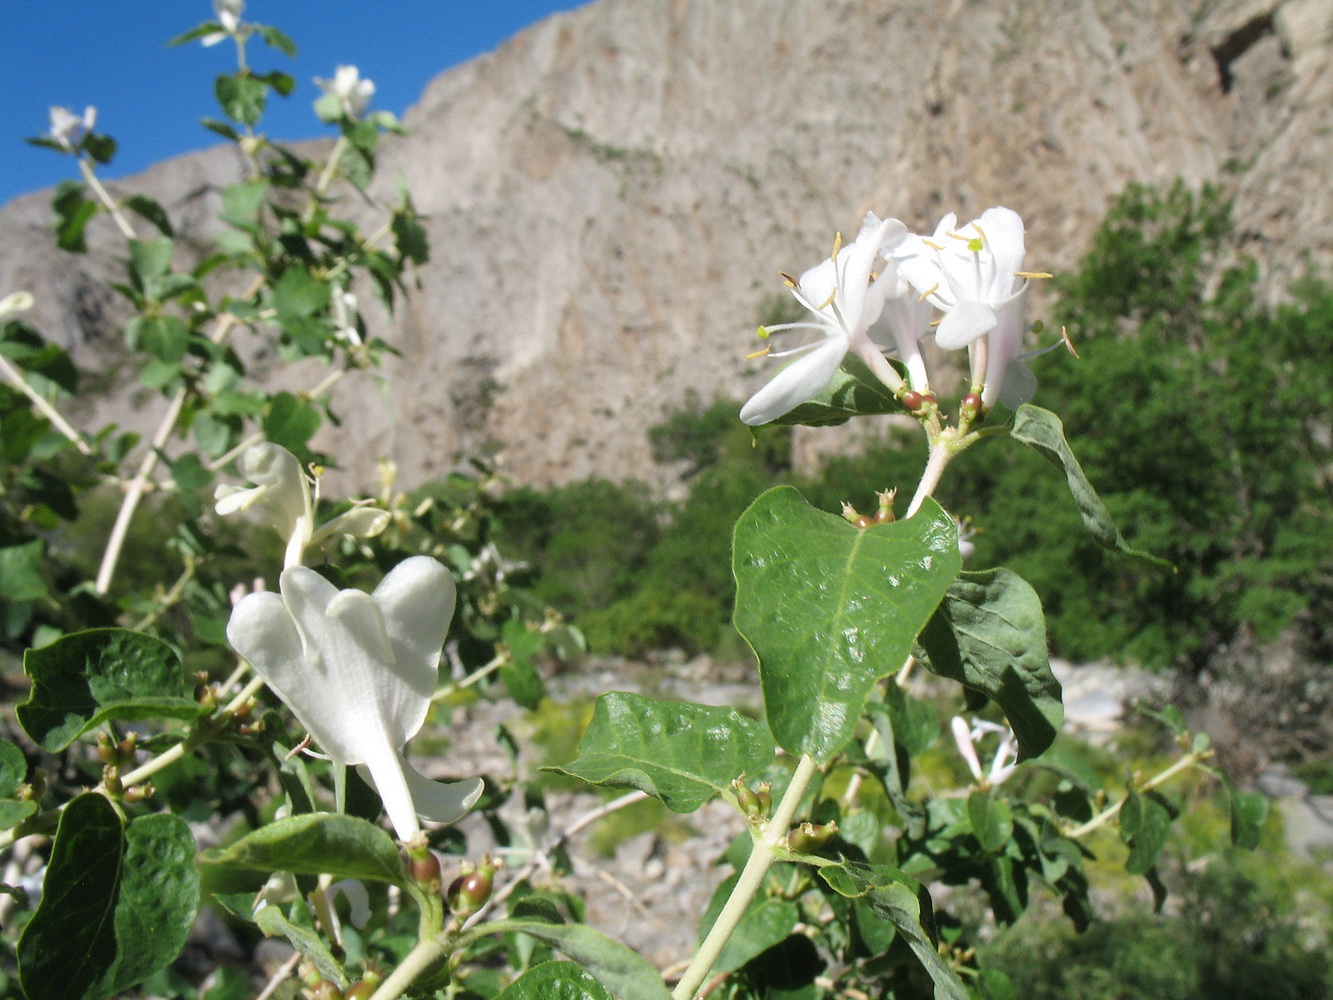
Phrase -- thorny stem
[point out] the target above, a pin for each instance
(762, 855)
(43, 405)
(1109, 813)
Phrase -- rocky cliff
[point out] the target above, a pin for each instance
(613, 191)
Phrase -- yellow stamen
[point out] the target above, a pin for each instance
(932, 245)
(828, 301)
(760, 354)
(837, 244)
(928, 292)
(1032, 274)
(958, 236)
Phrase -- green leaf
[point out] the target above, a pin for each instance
(147, 208)
(21, 571)
(198, 31)
(167, 338)
(1249, 810)
(86, 678)
(241, 97)
(916, 723)
(618, 968)
(681, 753)
(764, 924)
(555, 981)
(1042, 430)
(13, 812)
(271, 921)
(343, 846)
(291, 423)
(71, 212)
(413, 244)
(518, 671)
(991, 820)
(989, 634)
(241, 203)
(902, 900)
(276, 39)
(101, 148)
(298, 296)
(117, 903)
(853, 392)
(150, 262)
(1146, 826)
(829, 608)
(13, 769)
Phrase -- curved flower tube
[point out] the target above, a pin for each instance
(846, 297)
(358, 671)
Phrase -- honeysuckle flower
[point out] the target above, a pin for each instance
(351, 92)
(68, 129)
(846, 296)
(358, 671)
(282, 492)
(966, 546)
(15, 302)
(228, 13)
(344, 317)
(974, 275)
(1006, 754)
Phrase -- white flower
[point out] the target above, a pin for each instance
(846, 296)
(1006, 754)
(15, 302)
(974, 275)
(282, 492)
(352, 92)
(228, 13)
(358, 671)
(68, 129)
(966, 547)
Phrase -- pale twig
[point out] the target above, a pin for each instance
(43, 405)
(280, 976)
(1109, 813)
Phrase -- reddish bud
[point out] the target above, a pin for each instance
(863, 522)
(469, 892)
(912, 401)
(365, 987)
(425, 870)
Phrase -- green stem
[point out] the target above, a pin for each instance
(762, 855)
(1108, 814)
(427, 952)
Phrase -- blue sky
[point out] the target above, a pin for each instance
(113, 54)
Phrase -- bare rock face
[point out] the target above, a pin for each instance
(612, 192)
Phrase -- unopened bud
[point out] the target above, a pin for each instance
(764, 792)
(111, 779)
(970, 407)
(911, 401)
(884, 514)
(808, 838)
(425, 871)
(127, 745)
(138, 793)
(746, 799)
(470, 891)
(106, 753)
(849, 513)
(365, 987)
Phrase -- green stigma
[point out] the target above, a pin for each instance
(763, 333)
(976, 244)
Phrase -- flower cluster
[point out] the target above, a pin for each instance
(891, 280)
(1006, 754)
(347, 94)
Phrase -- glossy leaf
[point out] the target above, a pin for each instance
(854, 391)
(990, 634)
(1042, 430)
(991, 820)
(618, 968)
(766, 923)
(1146, 825)
(902, 900)
(117, 903)
(312, 844)
(683, 754)
(829, 608)
(86, 678)
(273, 923)
(555, 981)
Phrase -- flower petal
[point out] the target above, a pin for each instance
(442, 801)
(800, 381)
(964, 323)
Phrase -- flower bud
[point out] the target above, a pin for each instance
(764, 791)
(970, 407)
(365, 987)
(106, 753)
(137, 793)
(425, 870)
(850, 513)
(746, 799)
(911, 401)
(469, 892)
(863, 522)
(111, 779)
(885, 514)
(808, 838)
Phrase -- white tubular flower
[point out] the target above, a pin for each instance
(15, 302)
(962, 737)
(228, 13)
(352, 92)
(974, 275)
(68, 129)
(966, 547)
(358, 671)
(1005, 760)
(846, 296)
(281, 491)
